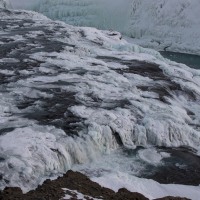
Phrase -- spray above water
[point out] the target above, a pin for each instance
(103, 14)
(162, 25)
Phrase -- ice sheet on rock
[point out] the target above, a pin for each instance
(72, 98)
(5, 4)
(31, 152)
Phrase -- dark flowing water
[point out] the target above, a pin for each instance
(190, 60)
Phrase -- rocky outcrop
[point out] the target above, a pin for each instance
(73, 181)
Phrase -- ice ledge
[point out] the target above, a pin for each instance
(5, 4)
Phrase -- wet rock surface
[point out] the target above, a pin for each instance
(53, 190)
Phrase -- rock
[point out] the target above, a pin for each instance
(73, 181)
(172, 198)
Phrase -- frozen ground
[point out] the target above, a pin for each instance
(163, 25)
(69, 95)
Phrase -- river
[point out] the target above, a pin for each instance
(190, 60)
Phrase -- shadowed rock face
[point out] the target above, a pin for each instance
(72, 181)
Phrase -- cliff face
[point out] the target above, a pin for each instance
(5, 4)
(166, 24)
(70, 94)
(163, 24)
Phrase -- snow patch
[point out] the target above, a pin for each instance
(149, 188)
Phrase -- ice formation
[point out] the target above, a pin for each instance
(70, 94)
(163, 25)
(5, 4)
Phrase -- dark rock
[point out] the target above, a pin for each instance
(172, 198)
(53, 190)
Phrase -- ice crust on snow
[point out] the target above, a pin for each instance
(164, 24)
(115, 94)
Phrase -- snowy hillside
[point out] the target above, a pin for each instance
(172, 25)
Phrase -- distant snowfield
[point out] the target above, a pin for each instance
(69, 95)
(166, 24)
(162, 25)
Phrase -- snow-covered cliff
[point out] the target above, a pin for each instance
(5, 4)
(163, 24)
(166, 24)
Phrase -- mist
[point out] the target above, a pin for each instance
(23, 4)
(102, 14)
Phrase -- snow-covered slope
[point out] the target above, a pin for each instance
(149, 188)
(70, 94)
(172, 25)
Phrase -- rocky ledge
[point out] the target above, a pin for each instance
(70, 186)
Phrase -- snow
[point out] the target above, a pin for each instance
(114, 102)
(163, 25)
(148, 188)
(170, 25)
(77, 194)
(4, 4)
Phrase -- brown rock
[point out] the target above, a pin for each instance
(172, 198)
(52, 190)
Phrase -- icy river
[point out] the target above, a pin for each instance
(84, 99)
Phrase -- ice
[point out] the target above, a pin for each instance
(5, 4)
(80, 93)
(31, 152)
(163, 25)
(152, 156)
(77, 194)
